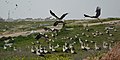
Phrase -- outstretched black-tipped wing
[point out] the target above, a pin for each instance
(85, 15)
(98, 12)
(63, 16)
(56, 23)
(53, 14)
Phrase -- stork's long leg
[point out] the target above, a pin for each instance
(99, 20)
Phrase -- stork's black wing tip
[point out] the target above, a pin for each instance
(50, 10)
(67, 13)
(84, 14)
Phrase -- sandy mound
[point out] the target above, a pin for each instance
(114, 54)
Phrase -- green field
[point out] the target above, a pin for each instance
(23, 43)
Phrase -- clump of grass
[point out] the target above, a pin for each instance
(73, 26)
(113, 18)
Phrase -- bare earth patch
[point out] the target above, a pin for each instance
(114, 54)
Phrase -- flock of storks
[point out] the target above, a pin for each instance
(69, 47)
(98, 13)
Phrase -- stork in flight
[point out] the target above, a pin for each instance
(59, 18)
(98, 13)
(16, 5)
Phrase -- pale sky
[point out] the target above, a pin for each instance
(75, 8)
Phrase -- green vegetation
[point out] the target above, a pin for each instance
(103, 20)
(23, 43)
(19, 26)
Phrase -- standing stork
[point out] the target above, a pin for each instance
(39, 36)
(98, 13)
(59, 18)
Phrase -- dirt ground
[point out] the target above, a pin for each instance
(58, 27)
(113, 54)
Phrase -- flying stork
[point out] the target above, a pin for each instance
(98, 13)
(59, 18)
